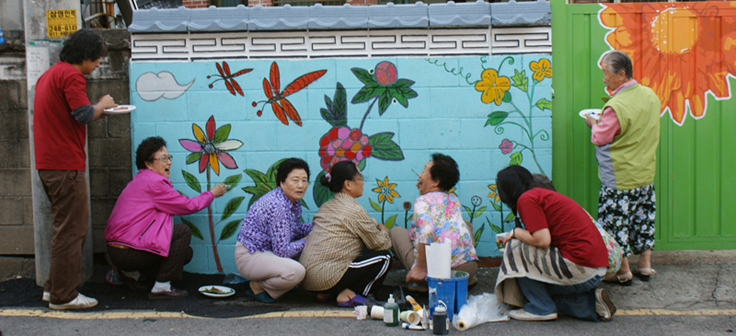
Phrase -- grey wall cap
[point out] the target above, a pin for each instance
(278, 18)
(417, 15)
(344, 16)
(460, 14)
(214, 19)
(521, 13)
(397, 16)
(160, 20)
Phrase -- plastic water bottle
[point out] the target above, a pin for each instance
(2, 36)
(440, 320)
(391, 312)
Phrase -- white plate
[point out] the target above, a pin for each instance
(120, 109)
(595, 113)
(228, 291)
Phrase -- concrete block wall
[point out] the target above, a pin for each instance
(108, 143)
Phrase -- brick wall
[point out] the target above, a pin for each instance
(195, 3)
(109, 143)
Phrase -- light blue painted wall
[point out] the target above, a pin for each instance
(447, 115)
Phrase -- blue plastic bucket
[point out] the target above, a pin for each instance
(453, 292)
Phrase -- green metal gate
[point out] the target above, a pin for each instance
(696, 161)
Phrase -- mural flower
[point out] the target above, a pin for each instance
(343, 144)
(493, 86)
(494, 193)
(506, 146)
(541, 69)
(682, 53)
(385, 191)
(209, 148)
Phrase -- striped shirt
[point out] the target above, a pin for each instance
(341, 232)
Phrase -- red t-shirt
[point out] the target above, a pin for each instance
(58, 138)
(572, 230)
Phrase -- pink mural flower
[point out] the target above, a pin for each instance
(506, 146)
(209, 148)
(343, 144)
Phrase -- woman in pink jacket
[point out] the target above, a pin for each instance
(142, 241)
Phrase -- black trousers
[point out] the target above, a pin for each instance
(365, 273)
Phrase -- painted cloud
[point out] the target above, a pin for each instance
(152, 87)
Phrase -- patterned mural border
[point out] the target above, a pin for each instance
(194, 46)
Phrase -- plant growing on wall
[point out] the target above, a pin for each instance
(342, 143)
(209, 150)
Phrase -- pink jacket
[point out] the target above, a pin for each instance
(142, 217)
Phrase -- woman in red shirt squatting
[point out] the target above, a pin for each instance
(557, 260)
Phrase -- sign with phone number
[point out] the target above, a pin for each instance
(61, 22)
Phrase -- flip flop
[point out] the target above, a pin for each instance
(645, 277)
(627, 280)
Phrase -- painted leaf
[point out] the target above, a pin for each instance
(367, 93)
(479, 212)
(232, 181)
(506, 97)
(495, 228)
(496, 206)
(467, 209)
(374, 205)
(384, 148)
(390, 222)
(519, 80)
(478, 234)
(193, 228)
(192, 181)
(221, 134)
(321, 193)
(384, 102)
(543, 104)
(516, 158)
(230, 229)
(180, 193)
(336, 112)
(261, 188)
(509, 218)
(496, 118)
(361, 165)
(194, 157)
(364, 76)
(232, 206)
(401, 90)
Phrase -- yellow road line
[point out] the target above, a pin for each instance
(294, 314)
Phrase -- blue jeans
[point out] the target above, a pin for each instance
(575, 300)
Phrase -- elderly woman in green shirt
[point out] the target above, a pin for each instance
(333, 256)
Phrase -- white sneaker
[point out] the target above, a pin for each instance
(523, 315)
(603, 305)
(80, 302)
(46, 296)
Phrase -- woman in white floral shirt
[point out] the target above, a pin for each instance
(437, 216)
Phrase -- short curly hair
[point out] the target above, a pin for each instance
(146, 149)
(85, 44)
(286, 166)
(444, 169)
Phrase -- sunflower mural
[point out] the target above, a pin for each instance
(680, 50)
(209, 149)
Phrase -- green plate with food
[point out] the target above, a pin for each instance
(216, 291)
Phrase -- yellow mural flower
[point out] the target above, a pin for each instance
(493, 86)
(385, 191)
(494, 193)
(541, 69)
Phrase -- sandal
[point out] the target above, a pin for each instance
(645, 277)
(356, 300)
(625, 279)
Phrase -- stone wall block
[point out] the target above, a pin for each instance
(12, 210)
(118, 126)
(14, 122)
(101, 209)
(11, 90)
(10, 152)
(98, 182)
(97, 130)
(15, 182)
(28, 211)
(25, 153)
(118, 178)
(109, 153)
(21, 238)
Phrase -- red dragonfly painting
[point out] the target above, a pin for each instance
(229, 79)
(282, 108)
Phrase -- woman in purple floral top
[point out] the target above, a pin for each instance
(272, 235)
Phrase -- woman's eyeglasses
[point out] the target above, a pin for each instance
(165, 158)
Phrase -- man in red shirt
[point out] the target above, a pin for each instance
(60, 114)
